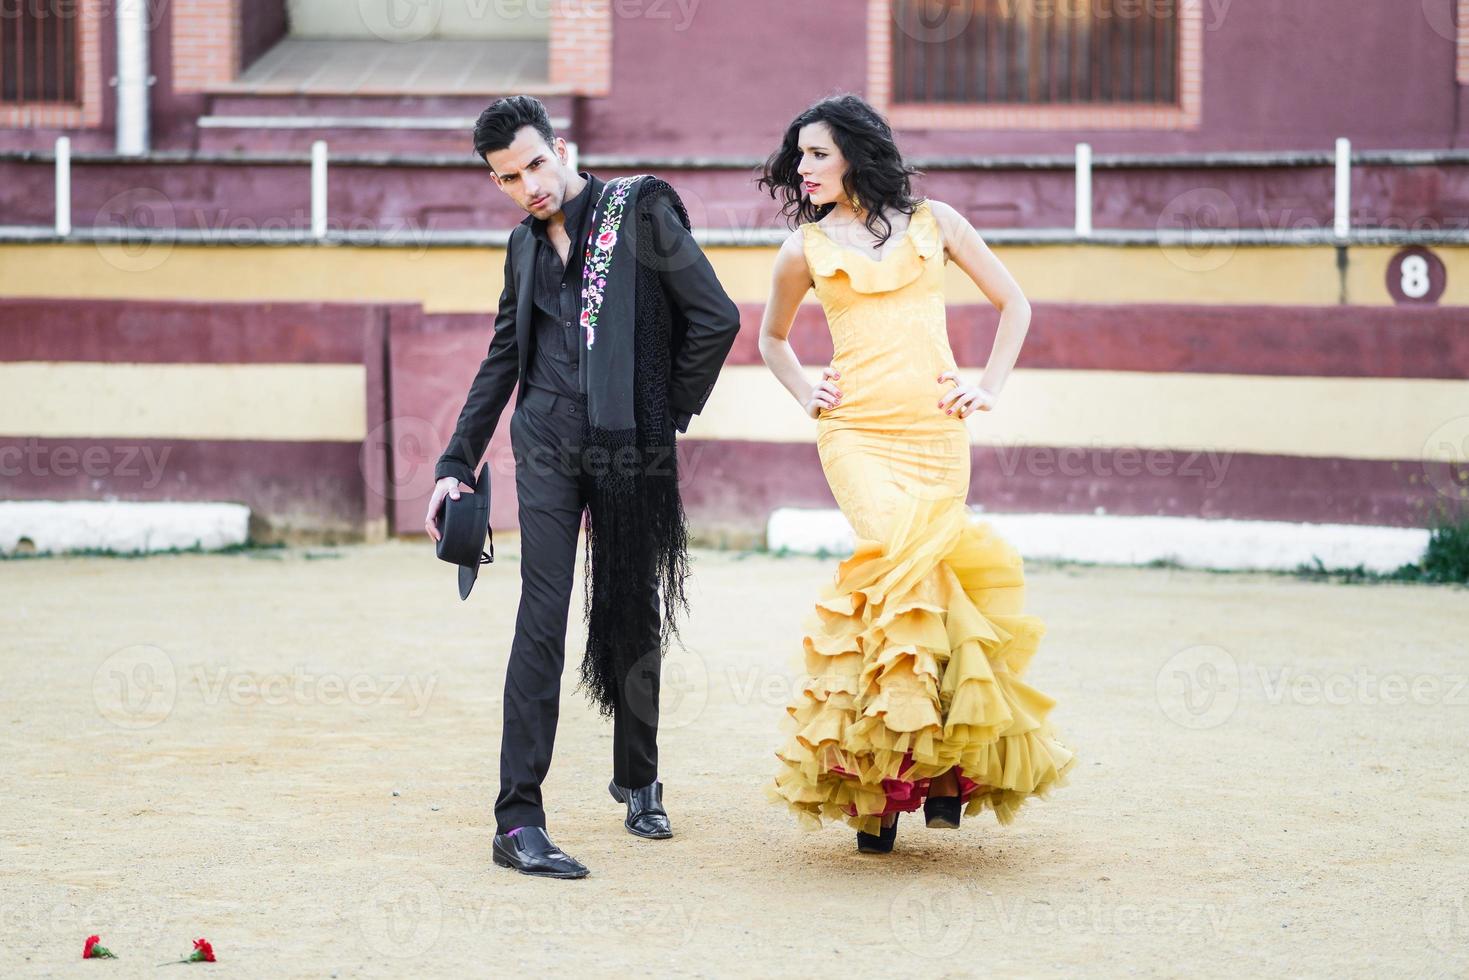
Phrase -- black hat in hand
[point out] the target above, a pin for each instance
(463, 526)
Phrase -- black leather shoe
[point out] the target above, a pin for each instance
(879, 843)
(645, 814)
(529, 850)
(942, 812)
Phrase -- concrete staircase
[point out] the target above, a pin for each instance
(261, 122)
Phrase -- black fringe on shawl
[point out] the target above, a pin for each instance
(637, 536)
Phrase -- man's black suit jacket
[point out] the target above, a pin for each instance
(691, 287)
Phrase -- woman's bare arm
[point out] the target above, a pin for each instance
(969, 251)
(789, 282)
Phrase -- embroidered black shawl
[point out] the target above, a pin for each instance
(636, 533)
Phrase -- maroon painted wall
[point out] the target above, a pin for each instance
(174, 113)
(262, 23)
(327, 490)
(725, 80)
(1278, 74)
(404, 201)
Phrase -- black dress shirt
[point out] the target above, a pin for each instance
(557, 297)
(709, 322)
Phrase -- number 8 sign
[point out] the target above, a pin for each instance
(1416, 276)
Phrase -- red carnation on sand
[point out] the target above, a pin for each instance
(203, 953)
(92, 951)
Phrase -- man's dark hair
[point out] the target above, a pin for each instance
(496, 127)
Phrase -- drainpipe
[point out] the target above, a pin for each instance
(133, 78)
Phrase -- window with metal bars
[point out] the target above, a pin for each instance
(1066, 52)
(38, 52)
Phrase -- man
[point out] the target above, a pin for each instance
(615, 339)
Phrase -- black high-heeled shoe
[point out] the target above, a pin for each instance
(943, 812)
(878, 843)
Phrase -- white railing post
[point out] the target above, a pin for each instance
(1083, 189)
(133, 77)
(571, 156)
(318, 189)
(63, 185)
(1343, 187)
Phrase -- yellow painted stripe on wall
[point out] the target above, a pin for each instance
(469, 280)
(443, 280)
(287, 402)
(1146, 274)
(1354, 418)
(1367, 275)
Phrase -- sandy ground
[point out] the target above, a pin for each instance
(1272, 781)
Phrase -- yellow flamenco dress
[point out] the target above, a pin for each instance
(916, 651)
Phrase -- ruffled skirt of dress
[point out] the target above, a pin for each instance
(914, 662)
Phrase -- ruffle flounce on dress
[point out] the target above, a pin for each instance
(914, 659)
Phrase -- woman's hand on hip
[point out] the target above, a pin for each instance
(826, 394)
(962, 399)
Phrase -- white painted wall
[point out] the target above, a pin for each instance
(56, 527)
(1116, 540)
(415, 20)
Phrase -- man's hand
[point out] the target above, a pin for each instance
(451, 486)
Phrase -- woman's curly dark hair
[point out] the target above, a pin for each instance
(876, 175)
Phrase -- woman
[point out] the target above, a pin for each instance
(916, 651)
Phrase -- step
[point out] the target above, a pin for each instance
(253, 122)
(244, 103)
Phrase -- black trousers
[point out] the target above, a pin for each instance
(551, 483)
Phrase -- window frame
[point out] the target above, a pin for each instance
(1185, 113)
(86, 111)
